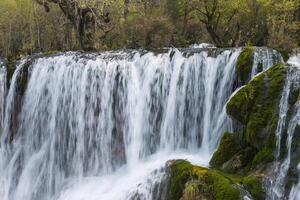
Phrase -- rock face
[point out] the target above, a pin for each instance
(244, 66)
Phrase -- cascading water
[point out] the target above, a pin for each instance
(277, 188)
(103, 126)
(263, 59)
(295, 191)
(2, 92)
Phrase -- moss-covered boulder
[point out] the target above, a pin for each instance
(189, 182)
(23, 77)
(239, 161)
(284, 54)
(253, 184)
(249, 151)
(228, 146)
(244, 65)
(232, 154)
(255, 106)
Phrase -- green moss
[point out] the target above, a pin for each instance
(256, 106)
(229, 146)
(191, 190)
(239, 161)
(50, 53)
(244, 65)
(10, 69)
(284, 54)
(23, 78)
(180, 174)
(253, 185)
(264, 156)
(221, 187)
(259, 67)
(190, 181)
(294, 95)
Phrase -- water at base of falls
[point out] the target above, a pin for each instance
(103, 126)
(145, 181)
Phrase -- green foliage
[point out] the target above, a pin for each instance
(26, 28)
(283, 24)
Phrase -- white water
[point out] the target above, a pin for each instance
(277, 187)
(264, 58)
(103, 126)
(295, 191)
(2, 92)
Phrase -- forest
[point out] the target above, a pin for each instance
(31, 26)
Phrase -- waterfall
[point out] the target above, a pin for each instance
(263, 59)
(103, 126)
(2, 92)
(295, 191)
(277, 187)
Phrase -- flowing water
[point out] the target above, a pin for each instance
(277, 188)
(103, 126)
(263, 59)
(2, 92)
(295, 191)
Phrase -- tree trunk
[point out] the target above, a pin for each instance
(83, 20)
(126, 8)
(86, 30)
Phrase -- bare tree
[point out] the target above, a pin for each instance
(84, 17)
(211, 15)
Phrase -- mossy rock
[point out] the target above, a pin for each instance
(10, 69)
(253, 184)
(284, 54)
(23, 78)
(239, 161)
(228, 147)
(189, 182)
(256, 107)
(244, 65)
(50, 53)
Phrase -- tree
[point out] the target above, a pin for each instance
(85, 17)
(126, 8)
(218, 19)
(282, 22)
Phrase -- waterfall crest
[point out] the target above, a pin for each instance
(86, 120)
